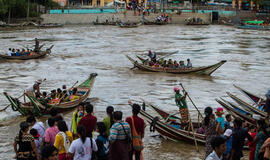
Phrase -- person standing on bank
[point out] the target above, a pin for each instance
(180, 101)
(120, 138)
(89, 121)
(27, 147)
(219, 148)
(137, 128)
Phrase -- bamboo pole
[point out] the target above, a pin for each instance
(191, 100)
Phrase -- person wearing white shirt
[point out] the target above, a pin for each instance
(9, 52)
(82, 148)
(39, 126)
(219, 148)
(189, 64)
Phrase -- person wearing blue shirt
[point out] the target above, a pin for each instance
(228, 137)
(220, 119)
(227, 123)
(18, 53)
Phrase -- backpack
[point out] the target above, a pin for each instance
(136, 138)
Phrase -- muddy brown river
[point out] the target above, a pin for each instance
(81, 50)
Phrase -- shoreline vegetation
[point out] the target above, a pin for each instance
(12, 10)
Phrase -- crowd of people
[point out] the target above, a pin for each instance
(116, 140)
(18, 52)
(162, 18)
(226, 142)
(166, 64)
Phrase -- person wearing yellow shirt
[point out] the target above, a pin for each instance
(74, 95)
(63, 140)
(77, 116)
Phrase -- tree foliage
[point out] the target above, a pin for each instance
(19, 7)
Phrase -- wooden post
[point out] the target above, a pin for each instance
(233, 3)
(239, 4)
(102, 3)
(251, 5)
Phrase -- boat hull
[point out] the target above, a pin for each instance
(206, 70)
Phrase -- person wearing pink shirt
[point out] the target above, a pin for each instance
(51, 132)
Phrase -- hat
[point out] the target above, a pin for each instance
(219, 110)
(267, 95)
(175, 88)
(37, 136)
(39, 81)
(228, 133)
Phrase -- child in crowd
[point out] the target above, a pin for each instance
(37, 139)
(102, 142)
(227, 123)
(220, 119)
(228, 137)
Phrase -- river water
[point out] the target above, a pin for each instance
(81, 50)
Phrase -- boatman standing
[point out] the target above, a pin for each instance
(152, 55)
(34, 90)
(180, 101)
(36, 45)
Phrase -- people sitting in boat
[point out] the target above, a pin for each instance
(165, 64)
(74, 95)
(182, 64)
(189, 64)
(156, 65)
(175, 65)
(152, 56)
(170, 63)
(18, 53)
(54, 99)
(53, 92)
(9, 52)
(59, 93)
(65, 96)
(13, 52)
(161, 61)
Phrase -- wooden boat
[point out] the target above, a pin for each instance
(105, 23)
(50, 25)
(37, 55)
(256, 99)
(236, 112)
(130, 25)
(206, 70)
(169, 131)
(154, 23)
(196, 23)
(257, 25)
(38, 108)
(243, 104)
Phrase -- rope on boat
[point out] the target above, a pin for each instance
(153, 124)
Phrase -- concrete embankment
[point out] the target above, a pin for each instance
(89, 18)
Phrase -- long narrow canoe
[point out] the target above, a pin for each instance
(256, 99)
(39, 108)
(105, 23)
(206, 70)
(154, 23)
(172, 133)
(129, 25)
(246, 105)
(37, 55)
(236, 112)
(255, 27)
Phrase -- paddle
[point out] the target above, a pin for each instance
(9, 104)
(191, 100)
(67, 92)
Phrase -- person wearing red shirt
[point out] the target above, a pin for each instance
(89, 121)
(139, 126)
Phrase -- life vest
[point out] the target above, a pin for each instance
(55, 101)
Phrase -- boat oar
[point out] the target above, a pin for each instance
(67, 92)
(191, 100)
(9, 105)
